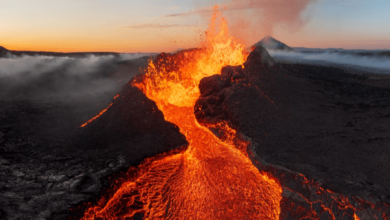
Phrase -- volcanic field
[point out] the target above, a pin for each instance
(207, 133)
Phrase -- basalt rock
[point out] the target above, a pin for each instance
(46, 185)
(308, 128)
(320, 131)
(134, 126)
(260, 55)
(3, 51)
(221, 95)
(43, 178)
(271, 43)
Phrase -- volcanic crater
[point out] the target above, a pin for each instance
(259, 100)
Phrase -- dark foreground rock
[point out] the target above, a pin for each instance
(321, 131)
(48, 164)
(325, 123)
(133, 125)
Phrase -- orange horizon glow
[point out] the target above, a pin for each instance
(120, 40)
(79, 47)
(156, 46)
(159, 26)
(125, 40)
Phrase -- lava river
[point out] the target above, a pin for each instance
(211, 179)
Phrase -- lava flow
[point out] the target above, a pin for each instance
(97, 116)
(211, 179)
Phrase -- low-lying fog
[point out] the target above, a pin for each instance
(375, 61)
(66, 79)
(69, 79)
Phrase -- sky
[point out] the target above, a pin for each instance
(130, 26)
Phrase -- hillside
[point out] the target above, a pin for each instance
(271, 43)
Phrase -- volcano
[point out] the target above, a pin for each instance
(233, 98)
(215, 133)
(225, 102)
(271, 43)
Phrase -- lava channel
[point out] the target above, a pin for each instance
(211, 179)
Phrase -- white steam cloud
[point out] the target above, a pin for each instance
(375, 63)
(66, 78)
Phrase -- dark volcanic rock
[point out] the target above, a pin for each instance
(34, 185)
(209, 107)
(48, 164)
(134, 126)
(260, 54)
(3, 51)
(221, 95)
(43, 180)
(271, 43)
(322, 122)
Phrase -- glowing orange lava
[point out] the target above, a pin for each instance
(97, 116)
(356, 217)
(212, 179)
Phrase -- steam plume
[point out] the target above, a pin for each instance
(253, 19)
(65, 78)
(377, 64)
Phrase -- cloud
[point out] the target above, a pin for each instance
(194, 12)
(149, 26)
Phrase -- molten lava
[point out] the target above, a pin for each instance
(212, 179)
(97, 116)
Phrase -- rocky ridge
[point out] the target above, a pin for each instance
(302, 134)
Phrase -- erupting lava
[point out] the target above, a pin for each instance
(212, 179)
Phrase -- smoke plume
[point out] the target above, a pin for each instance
(251, 20)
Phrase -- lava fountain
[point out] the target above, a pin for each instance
(211, 179)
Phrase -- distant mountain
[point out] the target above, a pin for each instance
(3, 50)
(271, 43)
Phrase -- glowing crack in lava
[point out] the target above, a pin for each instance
(211, 179)
(97, 116)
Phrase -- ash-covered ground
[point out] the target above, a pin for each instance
(329, 124)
